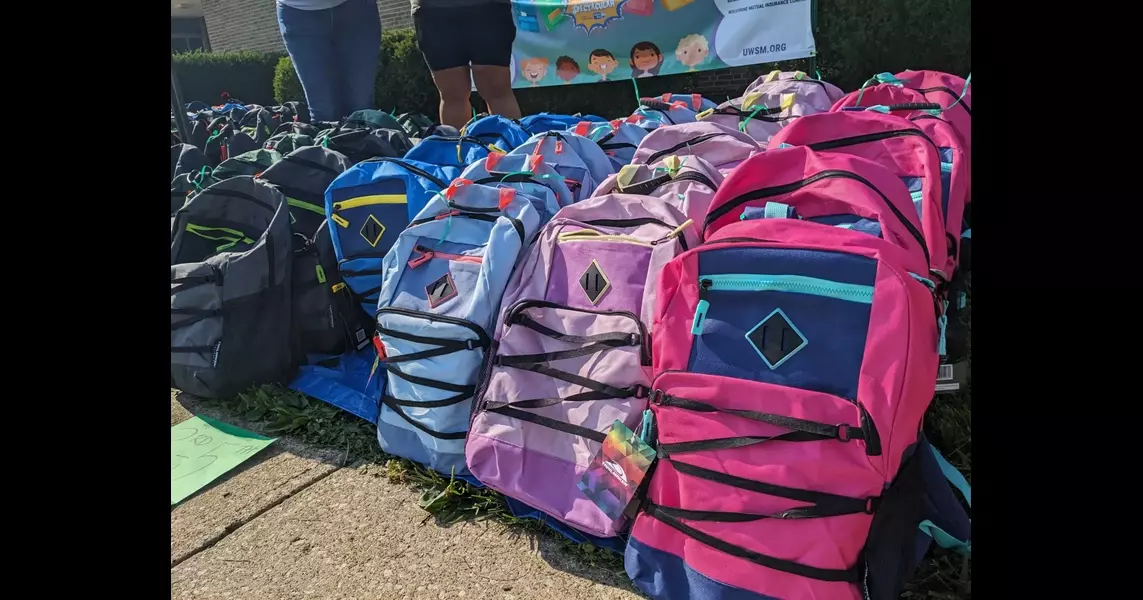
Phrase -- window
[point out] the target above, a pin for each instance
(188, 35)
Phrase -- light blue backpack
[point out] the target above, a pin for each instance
(580, 161)
(443, 281)
(527, 174)
(654, 113)
(618, 139)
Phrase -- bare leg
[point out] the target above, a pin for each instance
(455, 86)
(495, 85)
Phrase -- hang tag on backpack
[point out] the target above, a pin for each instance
(613, 477)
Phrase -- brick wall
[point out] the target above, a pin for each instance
(253, 24)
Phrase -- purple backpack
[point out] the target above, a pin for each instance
(571, 353)
(717, 144)
(816, 95)
(686, 182)
(771, 102)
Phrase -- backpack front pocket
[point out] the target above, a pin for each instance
(560, 377)
(796, 318)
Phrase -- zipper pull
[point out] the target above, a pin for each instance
(942, 323)
(645, 430)
(703, 305)
(425, 256)
(559, 146)
(676, 232)
(340, 220)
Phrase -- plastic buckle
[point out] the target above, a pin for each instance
(656, 397)
(640, 391)
(470, 344)
(843, 433)
(871, 504)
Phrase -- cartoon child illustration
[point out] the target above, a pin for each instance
(692, 51)
(567, 68)
(601, 62)
(646, 60)
(534, 69)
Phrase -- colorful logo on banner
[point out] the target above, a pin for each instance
(590, 15)
(561, 42)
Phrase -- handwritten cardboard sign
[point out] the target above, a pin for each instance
(203, 449)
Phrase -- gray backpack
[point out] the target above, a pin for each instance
(231, 261)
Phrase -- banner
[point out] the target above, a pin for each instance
(563, 42)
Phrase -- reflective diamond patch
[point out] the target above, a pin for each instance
(372, 230)
(594, 283)
(440, 290)
(776, 339)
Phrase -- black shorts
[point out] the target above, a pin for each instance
(455, 37)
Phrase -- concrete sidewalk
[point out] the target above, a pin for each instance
(293, 522)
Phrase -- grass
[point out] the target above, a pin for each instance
(944, 575)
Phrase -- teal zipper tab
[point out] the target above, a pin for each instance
(946, 167)
(943, 323)
(645, 430)
(700, 316)
(798, 284)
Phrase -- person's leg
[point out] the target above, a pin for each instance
(309, 40)
(438, 37)
(489, 46)
(357, 43)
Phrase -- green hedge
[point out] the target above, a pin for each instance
(248, 76)
(856, 38)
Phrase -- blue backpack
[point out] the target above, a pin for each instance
(654, 113)
(444, 279)
(553, 122)
(526, 174)
(580, 161)
(367, 207)
(450, 151)
(695, 101)
(618, 139)
(497, 131)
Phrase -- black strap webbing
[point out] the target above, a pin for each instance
(433, 383)
(603, 388)
(511, 360)
(526, 321)
(832, 501)
(458, 398)
(391, 403)
(543, 402)
(850, 575)
(191, 349)
(821, 430)
(550, 423)
(666, 450)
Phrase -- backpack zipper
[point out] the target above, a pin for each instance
(412, 169)
(791, 187)
(640, 221)
(482, 337)
(695, 140)
(515, 309)
(427, 254)
(869, 137)
(516, 224)
(590, 235)
(368, 201)
(941, 88)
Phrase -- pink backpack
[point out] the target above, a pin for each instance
(956, 164)
(895, 143)
(686, 182)
(771, 102)
(719, 145)
(572, 353)
(951, 92)
(793, 363)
